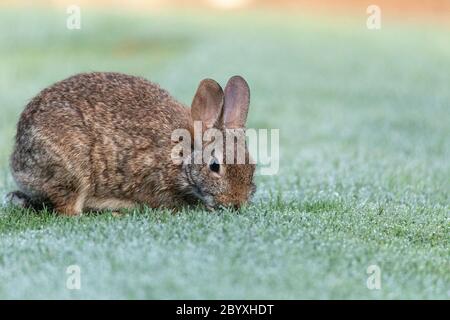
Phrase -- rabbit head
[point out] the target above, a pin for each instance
(220, 180)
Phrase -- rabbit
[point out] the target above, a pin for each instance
(102, 141)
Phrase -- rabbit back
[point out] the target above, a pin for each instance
(98, 140)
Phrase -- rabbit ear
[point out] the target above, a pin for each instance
(207, 103)
(237, 100)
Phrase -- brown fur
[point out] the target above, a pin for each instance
(103, 140)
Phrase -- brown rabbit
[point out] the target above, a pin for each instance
(103, 141)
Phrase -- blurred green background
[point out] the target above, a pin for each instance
(364, 170)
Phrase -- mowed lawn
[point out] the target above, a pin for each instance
(364, 119)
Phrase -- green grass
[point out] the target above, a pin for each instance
(365, 159)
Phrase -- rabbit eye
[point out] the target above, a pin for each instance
(214, 166)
